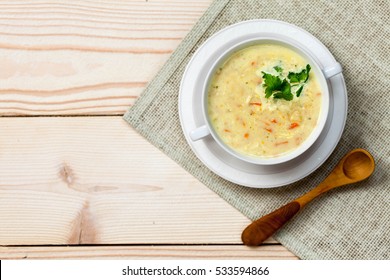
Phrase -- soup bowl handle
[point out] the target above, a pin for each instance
(333, 70)
(199, 133)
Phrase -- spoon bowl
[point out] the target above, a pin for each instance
(355, 166)
(358, 165)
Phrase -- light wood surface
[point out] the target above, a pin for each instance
(85, 57)
(71, 170)
(268, 252)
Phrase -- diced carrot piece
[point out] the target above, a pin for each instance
(274, 121)
(246, 135)
(293, 125)
(268, 129)
(281, 143)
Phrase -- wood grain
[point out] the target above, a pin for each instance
(216, 252)
(261, 229)
(94, 180)
(85, 57)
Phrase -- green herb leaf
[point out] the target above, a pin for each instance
(281, 89)
(300, 77)
(298, 92)
(271, 83)
(276, 87)
(308, 68)
(285, 91)
(268, 92)
(278, 69)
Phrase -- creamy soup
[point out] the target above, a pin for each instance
(249, 122)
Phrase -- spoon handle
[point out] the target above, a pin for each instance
(354, 167)
(261, 229)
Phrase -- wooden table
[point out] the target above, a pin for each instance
(76, 181)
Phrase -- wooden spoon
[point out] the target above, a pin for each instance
(355, 166)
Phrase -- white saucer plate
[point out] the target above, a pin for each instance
(221, 162)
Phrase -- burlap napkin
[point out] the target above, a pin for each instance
(349, 223)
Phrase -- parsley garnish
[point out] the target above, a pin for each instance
(278, 69)
(300, 77)
(272, 83)
(281, 88)
(299, 90)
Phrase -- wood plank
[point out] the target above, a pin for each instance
(86, 57)
(79, 180)
(266, 252)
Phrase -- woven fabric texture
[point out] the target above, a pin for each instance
(351, 222)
